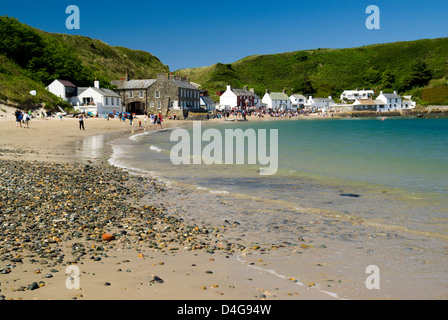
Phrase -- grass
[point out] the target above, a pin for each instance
(324, 72)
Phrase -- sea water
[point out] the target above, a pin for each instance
(389, 174)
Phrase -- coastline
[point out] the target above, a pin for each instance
(126, 266)
(228, 264)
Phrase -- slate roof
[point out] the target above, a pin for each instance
(133, 84)
(182, 84)
(103, 92)
(67, 83)
(391, 96)
(208, 100)
(278, 96)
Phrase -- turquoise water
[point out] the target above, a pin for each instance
(392, 173)
(373, 191)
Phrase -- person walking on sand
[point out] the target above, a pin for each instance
(155, 122)
(159, 121)
(81, 122)
(18, 115)
(26, 120)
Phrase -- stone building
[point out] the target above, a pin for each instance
(134, 94)
(167, 94)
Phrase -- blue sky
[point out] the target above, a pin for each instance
(184, 34)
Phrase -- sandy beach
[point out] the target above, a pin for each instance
(74, 227)
(56, 209)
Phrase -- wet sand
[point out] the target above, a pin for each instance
(40, 241)
(198, 251)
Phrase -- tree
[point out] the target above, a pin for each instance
(387, 79)
(371, 76)
(420, 75)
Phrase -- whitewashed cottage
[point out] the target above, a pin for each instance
(277, 100)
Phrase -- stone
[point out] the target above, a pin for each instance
(33, 286)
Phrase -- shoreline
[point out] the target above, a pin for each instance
(200, 273)
(245, 270)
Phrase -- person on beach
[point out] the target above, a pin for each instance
(26, 120)
(18, 115)
(159, 121)
(155, 122)
(81, 122)
(131, 118)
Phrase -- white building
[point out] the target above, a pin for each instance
(206, 102)
(64, 89)
(238, 98)
(385, 102)
(297, 100)
(91, 99)
(277, 100)
(352, 95)
(393, 102)
(319, 104)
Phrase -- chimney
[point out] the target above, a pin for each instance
(162, 76)
(267, 91)
(395, 92)
(252, 90)
(127, 76)
(96, 84)
(284, 91)
(245, 88)
(229, 87)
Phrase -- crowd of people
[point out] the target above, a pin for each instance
(258, 112)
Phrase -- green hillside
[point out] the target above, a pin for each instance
(408, 67)
(31, 59)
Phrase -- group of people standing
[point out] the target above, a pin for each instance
(23, 118)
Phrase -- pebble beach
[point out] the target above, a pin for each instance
(124, 234)
(75, 227)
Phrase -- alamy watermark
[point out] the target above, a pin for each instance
(230, 149)
(373, 281)
(373, 20)
(74, 19)
(73, 281)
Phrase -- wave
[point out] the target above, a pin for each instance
(156, 149)
(297, 282)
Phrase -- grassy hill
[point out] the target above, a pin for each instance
(31, 59)
(410, 67)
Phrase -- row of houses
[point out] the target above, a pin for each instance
(353, 100)
(166, 94)
(174, 94)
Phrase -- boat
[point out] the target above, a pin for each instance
(230, 120)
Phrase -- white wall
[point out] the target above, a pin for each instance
(267, 100)
(228, 98)
(102, 104)
(57, 89)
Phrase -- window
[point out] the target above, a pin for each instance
(131, 94)
(141, 94)
(151, 104)
(159, 105)
(157, 94)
